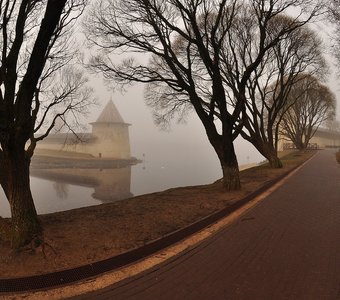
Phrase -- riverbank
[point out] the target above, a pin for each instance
(49, 159)
(90, 234)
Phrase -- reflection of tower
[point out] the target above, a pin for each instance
(111, 134)
(108, 184)
(61, 189)
(114, 184)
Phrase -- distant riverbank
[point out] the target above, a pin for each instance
(62, 159)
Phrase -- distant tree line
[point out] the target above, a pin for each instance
(246, 68)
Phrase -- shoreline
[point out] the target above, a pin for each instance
(63, 162)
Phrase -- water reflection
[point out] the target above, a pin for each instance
(61, 190)
(109, 184)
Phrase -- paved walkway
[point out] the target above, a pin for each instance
(287, 247)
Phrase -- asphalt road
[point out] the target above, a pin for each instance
(287, 247)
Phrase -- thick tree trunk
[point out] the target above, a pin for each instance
(231, 176)
(269, 152)
(266, 147)
(299, 145)
(226, 154)
(25, 225)
(274, 161)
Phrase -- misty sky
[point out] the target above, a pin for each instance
(184, 142)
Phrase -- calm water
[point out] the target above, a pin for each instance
(59, 190)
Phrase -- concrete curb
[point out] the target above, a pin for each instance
(65, 277)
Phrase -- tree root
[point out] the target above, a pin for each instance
(39, 245)
(45, 246)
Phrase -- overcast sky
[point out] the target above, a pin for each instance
(186, 141)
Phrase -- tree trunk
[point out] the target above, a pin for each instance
(270, 153)
(266, 147)
(274, 161)
(25, 225)
(226, 154)
(231, 176)
(299, 145)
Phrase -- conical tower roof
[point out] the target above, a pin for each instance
(110, 114)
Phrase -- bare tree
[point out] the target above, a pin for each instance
(192, 62)
(334, 13)
(270, 85)
(38, 86)
(313, 104)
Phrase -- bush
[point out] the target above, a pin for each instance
(338, 157)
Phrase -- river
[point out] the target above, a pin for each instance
(63, 189)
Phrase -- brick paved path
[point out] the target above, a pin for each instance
(287, 247)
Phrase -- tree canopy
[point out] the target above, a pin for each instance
(334, 13)
(196, 57)
(312, 105)
(270, 85)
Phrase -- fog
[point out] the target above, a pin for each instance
(185, 142)
(181, 156)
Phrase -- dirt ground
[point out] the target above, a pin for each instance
(85, 235)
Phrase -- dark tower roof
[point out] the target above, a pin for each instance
(110, 114)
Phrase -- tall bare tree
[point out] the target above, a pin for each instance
(34, 80)
(270, 85)
(313, 105)
(189, 42)
(334, 13)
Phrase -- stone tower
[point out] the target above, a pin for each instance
(111, 134)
